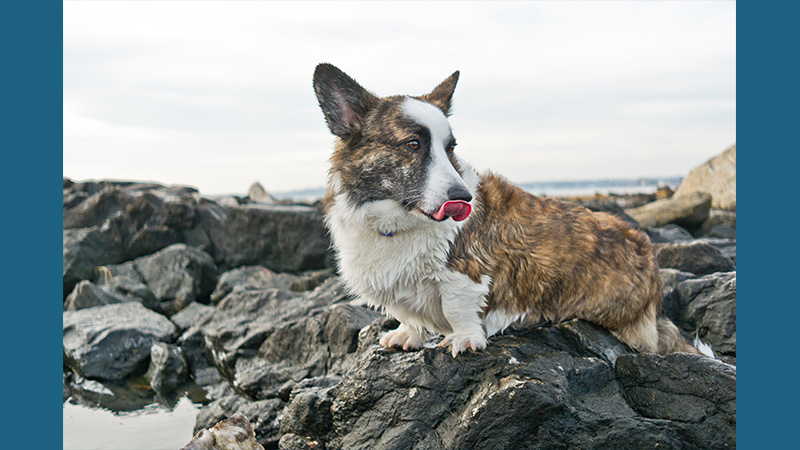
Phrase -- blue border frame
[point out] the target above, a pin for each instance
(32, 36)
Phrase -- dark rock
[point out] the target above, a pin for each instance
(87, 294)
(720, 224)
(707, 306)
(291, 441)
(670, 233)
(529, 389)
(725, 246)
(689, 211)
(198, 356)
(672, 303)
(283, 238)
(263, 414)
(177, 275)
(311, 347)
(168, 368)
(250, 277)
(193, 313)
(309, 410)
(697, 395)
(695, 257)
(112, 342)
(611, 208)
(84, 250)
(245, 318)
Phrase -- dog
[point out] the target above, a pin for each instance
(419, 234)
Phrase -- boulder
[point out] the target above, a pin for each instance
(257, 194)
(697, 395)
(250, 277)
(177, 275)
(538, 388)
(168, 368)
(670, 233)
(699, 258)
(720, 224)
(84, 250)
(87, 294)
(235, 433)
(193, 313)
(706, 306)
(688, 211)
(716, 177)
(112, 342)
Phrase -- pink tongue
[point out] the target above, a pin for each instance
(457, 209)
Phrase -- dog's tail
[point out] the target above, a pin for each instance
(670, 340)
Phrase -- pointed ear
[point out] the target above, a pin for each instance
(343, 101)
(442, 95)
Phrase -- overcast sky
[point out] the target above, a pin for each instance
(218, 95)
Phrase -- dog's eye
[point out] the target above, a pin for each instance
(451, 147)
(413, 145)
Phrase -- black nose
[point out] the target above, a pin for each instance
(459, 193)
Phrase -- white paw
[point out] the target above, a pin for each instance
(403, 337)
(460, 342)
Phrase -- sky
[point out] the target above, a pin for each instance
(218, 94)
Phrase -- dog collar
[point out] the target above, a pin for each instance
(387, 234)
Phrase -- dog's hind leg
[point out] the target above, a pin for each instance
(405, 337)
(462, 302)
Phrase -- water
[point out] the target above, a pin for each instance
(155, 427)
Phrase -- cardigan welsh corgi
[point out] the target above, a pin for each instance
(423, 236)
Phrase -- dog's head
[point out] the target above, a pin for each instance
(397, 148)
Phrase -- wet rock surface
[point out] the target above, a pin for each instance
(235, 303)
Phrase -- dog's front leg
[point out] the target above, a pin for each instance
(462, 302)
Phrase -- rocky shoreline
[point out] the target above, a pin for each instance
(235, 302)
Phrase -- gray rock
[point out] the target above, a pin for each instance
(720, 224)
(84, 250)
(725, 246)
(263, 414)
(250, 277)
(545, 388)
(689, 211)
(311, 347)
(193, 313)
(716, 177)
(256, 193)
(670, 233)
(177, 275)
(707, 306)
(309, 410)
(696, 257)
(291, 441)
(697, 395)
(112, 342)
(245, 318)
(87, 294)
(168, 368)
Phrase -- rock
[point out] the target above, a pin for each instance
(193, 344)
(672, 303)
(699, 258)
(112, 342)
(725, 246)
(720, 224)
(245, 318)
(84, 249)
(552, 387)
(613, 209)
(250, 277)
(113, 396)
(664, 192)
(716, 177)
(87, 294)
(263, 414)
(193, 313)
(707, 306)
(688, 211)
(669, 233)
(168, 368)
(235, 433)
(291, 441)
(258, 194)
(309, 410)
(311, 347)
(283, 238)
(697, 395)
(177, 275)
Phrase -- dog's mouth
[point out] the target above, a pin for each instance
(457, 209)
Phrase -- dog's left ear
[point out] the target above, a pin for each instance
(442, 95)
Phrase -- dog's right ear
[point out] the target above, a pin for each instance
(343, 101)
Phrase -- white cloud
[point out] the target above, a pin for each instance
(218, 94)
